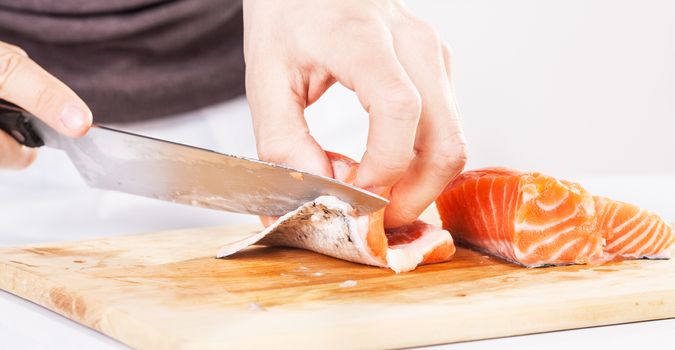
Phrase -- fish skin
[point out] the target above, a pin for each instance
(536, 220)
(332, 227)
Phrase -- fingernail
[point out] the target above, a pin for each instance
(73, 117)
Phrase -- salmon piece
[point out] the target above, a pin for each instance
(536, 220)
(631, 232)
(526, 218)
(332, 227)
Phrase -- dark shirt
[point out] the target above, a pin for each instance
(132, 60)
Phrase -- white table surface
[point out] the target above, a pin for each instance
(49, 202)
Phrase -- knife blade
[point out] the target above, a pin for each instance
(116, 160)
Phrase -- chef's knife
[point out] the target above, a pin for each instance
(120, 161)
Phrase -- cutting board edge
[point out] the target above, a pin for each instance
(432, 331)
(144, 336)
(73, 301)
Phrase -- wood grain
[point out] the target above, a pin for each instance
(165, 290)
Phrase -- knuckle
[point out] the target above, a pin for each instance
(406, 214)
(278, 148)
(401, 101)
(428, 31)
(403, 214)
(356, 26)
(44, 97)
(269, 153)
(424, 35)
(16, 49)
(450, 156)
(424, 32)
(9, 61)
(358, 33)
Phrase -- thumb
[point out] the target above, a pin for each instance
(26, 84)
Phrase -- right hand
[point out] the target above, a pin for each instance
(27, 85)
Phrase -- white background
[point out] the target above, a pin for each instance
(574, 87)
(578, 89)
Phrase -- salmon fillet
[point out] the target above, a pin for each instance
(536, 220)
(331, 227)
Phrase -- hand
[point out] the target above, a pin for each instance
(398, 67)
(25, 84)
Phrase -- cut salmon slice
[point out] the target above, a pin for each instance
(331, 227)
(537, 220)
(631, 232)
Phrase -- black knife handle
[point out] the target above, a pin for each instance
(16, 122)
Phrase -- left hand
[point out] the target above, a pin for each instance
(24, 83)
(398, 67)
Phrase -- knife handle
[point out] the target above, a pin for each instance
(15, 121)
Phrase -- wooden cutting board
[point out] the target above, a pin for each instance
(166, 290)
